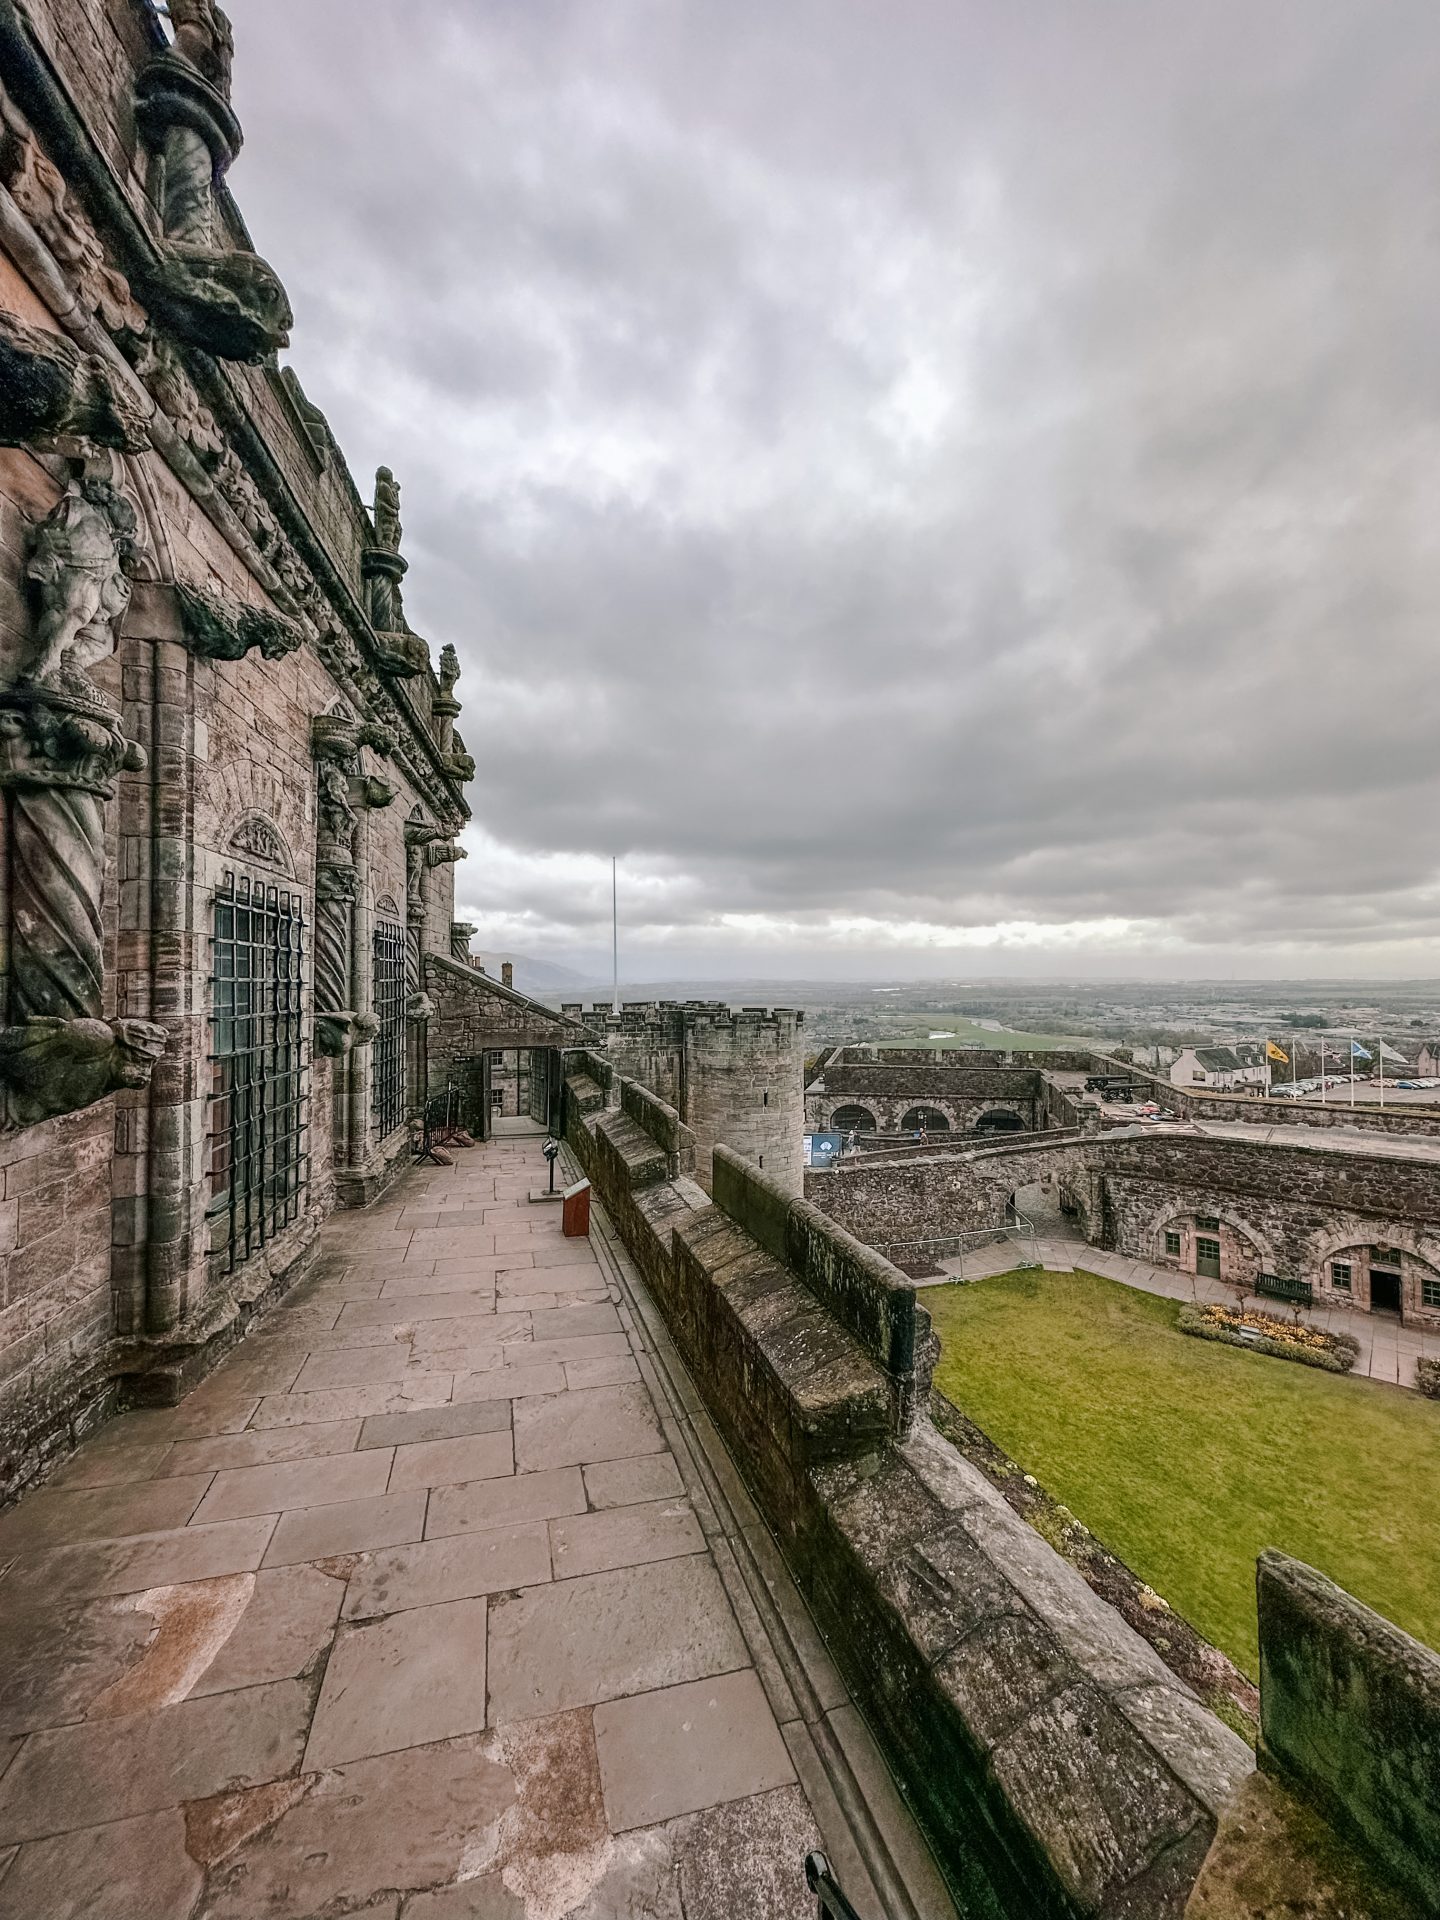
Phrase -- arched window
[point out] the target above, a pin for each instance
(852, 1119)
(999, 1120)
(930, 1118)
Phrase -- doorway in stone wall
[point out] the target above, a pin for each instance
(1207, 1257)
(1385, 1294)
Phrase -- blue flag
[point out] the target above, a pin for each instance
(1357, 1052)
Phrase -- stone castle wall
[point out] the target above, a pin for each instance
(1282, 1208)
(735, 1076)
(247, 708)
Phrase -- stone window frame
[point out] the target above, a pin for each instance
(1345, 1267)
(246, 1214)
(1174, 1243)
(1207, 1223)
(1429, 1289)
(387, 962)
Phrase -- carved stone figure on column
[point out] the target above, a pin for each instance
(61, 748)
(462, 932)
(80, 564)
(399, 651)
(342, 790)
(218, 297)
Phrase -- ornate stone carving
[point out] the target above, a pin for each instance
(50, 391)
(440, 853)
(459, 764)
(419, 834)
(204, 37)
(220, 298)
(50, 1066)
(158, 364)
(419, 1006)
(449, 673)
(386, 903)
(60, 750)
(317, 427)
(259, 840)
(79, 569)
(402, 655)
(219, 629)
(342, 791)
(231, 304)
(461, 934)
(38, 188)
(398, 651)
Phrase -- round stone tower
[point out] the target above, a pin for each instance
(744, 1087)
(735, 1076)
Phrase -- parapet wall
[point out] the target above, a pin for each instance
(1059, 1767)
(1350, 1713)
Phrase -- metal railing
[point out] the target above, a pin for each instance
(1019, 1231)
(822, 1883)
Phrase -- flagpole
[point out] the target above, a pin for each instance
(615, 931)
(1353, 1044)
(1380, 1056)
(1322, 1067)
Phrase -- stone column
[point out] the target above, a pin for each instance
(461, 934)
(61, 748)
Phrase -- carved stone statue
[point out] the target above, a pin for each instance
(51, 1066)
(388, 530)
(203, 36)
(51, 391)
(223, 299)
(398, 651)
(79, 568)
(449, 672)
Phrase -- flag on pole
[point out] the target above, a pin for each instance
(1357, 1052)
(1272, 1052)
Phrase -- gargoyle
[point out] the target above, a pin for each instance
(50, 390)
(50, 1066)
(230, 303)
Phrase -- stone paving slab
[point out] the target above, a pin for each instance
(409, 1609)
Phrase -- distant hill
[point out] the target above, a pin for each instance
(535, 977)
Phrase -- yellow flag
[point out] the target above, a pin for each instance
(1272, 1052)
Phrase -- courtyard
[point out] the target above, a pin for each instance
(1186, 1457)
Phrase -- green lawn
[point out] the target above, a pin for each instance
(1187, 1457)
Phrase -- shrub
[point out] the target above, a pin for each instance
(1427, 1378)
(1281, 1339)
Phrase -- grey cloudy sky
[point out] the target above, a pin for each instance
(936, 486)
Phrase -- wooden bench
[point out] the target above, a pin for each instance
(1278, 1287)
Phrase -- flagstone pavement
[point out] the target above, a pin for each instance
(438, 1599)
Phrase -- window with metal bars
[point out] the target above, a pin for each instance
(389, 1052)
(259, 1065)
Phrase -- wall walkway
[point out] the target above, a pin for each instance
(421, 1600)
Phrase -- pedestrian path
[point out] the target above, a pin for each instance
(430, 1603)
(1388, 1348)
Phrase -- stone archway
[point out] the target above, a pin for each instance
(1000, 1120)
(1354, 1248)
(852, 1119)
(931, 1119)
(1245, 1251)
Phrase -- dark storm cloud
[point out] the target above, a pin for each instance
(897, 472)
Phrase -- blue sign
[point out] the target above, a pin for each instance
(821, 1149)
